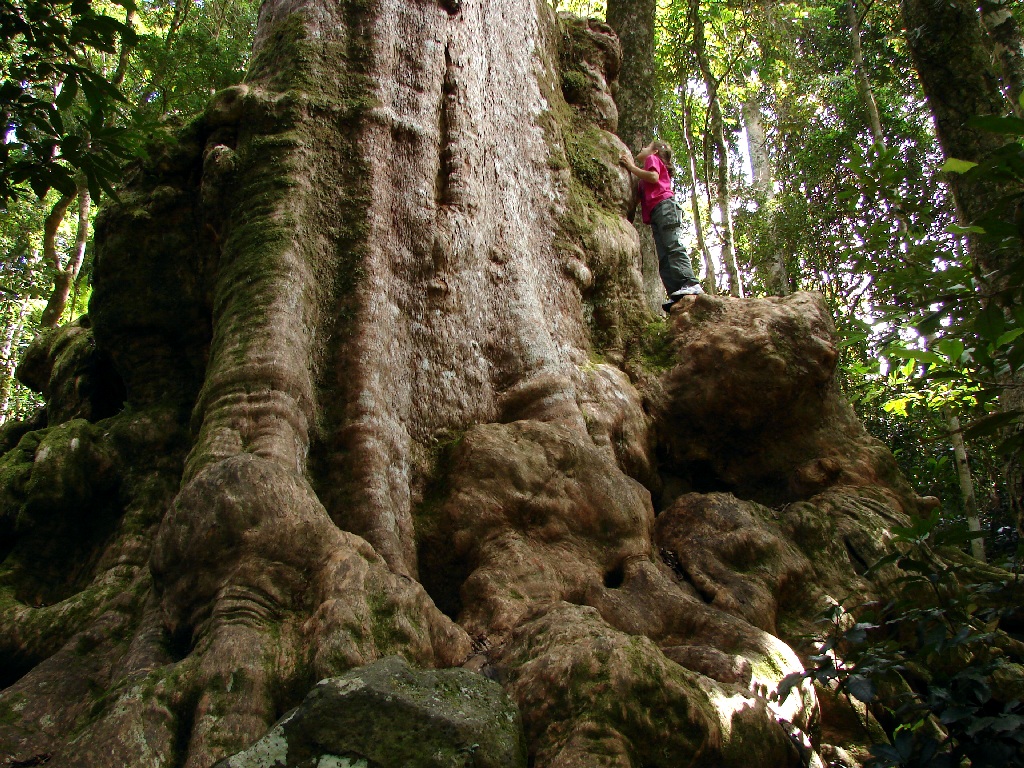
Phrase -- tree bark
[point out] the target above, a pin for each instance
(633, 21)
(1004, 32)
(776, 277)
(66, 273)
(757, 146)
(117, 79)
(960, 81)
(51, 255)
(724, 199)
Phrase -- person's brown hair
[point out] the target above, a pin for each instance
(665, 153)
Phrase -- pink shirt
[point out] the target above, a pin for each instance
(652, 194)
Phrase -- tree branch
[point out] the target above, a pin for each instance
(50, 227)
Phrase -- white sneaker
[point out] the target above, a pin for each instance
(687, 290)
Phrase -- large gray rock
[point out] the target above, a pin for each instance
(388, 715)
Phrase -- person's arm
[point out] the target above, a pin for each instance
(651, 177)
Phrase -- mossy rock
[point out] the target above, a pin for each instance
(388, 715)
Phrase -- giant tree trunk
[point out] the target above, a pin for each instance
(372, 316)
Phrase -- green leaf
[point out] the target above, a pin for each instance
(920, 355)
(1007, 723)
(861, 688)
(886, 755)
(787, 684)
(996, 227)
(952, 349)
(68, 91)
(956, 229)
(954, 165)
(889, 559)
(1015, 357)
(990, 323)
(920, 527)
(39, 185)
(853, 338)
(930, 323)
(93, 94)
(978, 725)
(1007, 337)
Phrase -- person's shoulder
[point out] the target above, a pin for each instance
(653, 163)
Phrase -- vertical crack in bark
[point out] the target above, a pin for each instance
(446, 116)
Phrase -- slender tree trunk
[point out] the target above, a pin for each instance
(777, 277)
(757, 146)
(963, 471)
(717, 126)
(51, 255)
(220, 14)
(711, 274)
(723, 198)
(9, 360)
(51, 225)
(65, 273)
(867, 95)
(125, 55)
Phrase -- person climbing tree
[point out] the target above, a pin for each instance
(658, 208)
